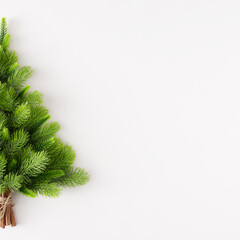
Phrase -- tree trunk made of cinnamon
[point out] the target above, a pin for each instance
(6, 211)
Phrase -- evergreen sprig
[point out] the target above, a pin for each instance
(33, 159)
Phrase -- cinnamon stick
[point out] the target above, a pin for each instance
(2, 223)
(12, 217)
(8, 212)
(7, 215)
(2, 220)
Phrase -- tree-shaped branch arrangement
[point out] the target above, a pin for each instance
(33, 159)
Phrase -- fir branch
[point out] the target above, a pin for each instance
(45, 132)
(38, 124)
(20, 115)
(3, 120)
(28, 192)
(34, 164)
(12, 182)
(12, 165)
(44, 145)
(8, 61)
(73, 177)
(6, 42)
(24, 153)
(16, 142)
(49, 175)
(7, 99)
(37, 114)
(3, 164)
(34, 98)
(23, 92)
(5, 134)
(13, 66)
(46, 189)
(61, 155)
(3, 31)
(19, 76)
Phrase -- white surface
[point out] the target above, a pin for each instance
(148, 94)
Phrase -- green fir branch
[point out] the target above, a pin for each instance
(3, 31)
(73, 177)
(34, 164)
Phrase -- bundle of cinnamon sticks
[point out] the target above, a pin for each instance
(6, 205)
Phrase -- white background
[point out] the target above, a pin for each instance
(148, 94)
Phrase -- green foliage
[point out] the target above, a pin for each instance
(23, 92)
(19, 76)
(12, 165)
(34, 163)
(6, 42)
(17, 141)
(45, 132)
(34, 98)
(20, 115)
(73, 177)
(33, 159)
(3, 29)
(49, 175)
(11, 181)
(7, 100)
(3, 164)
(5, 134)
(27, 192)
(61, 155)
(38, 113)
